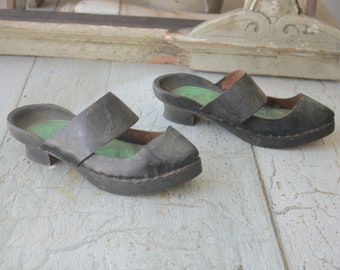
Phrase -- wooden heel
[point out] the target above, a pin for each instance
(179, 116)
(38, 156)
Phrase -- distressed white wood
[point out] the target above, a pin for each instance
(87, 41)
(303, 184)
(267, 37)
(18, 70)
(52, 218)
(67, 82)
(278, 43)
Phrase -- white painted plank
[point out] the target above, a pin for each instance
(52, 218)
(38, 205)
(303, 184)
(14, 72)
(74, 84)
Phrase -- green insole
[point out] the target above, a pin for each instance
(203, 96)
(115, 148)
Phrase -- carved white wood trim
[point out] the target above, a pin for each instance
(260, 42)
(265, 37)
(248, 28)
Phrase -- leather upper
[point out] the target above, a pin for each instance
(238, 102)
(100, 123)
(105, 120)
(240, 98)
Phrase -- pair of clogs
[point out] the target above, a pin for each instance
(101, 145)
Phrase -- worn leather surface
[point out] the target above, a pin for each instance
(165, 160)
(307, 116)
(166, 153)
(164, 84)
(240, 98)
(237, 103)
(105, 120)
(21, 118)
(100, 123)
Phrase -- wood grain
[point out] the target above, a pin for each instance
(12, 89)
(303, 185)
(251, 208)
(95, 19)
(292, 46)
(53, 217)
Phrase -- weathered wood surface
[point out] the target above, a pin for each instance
(303, 184)
(121, 38)
(292, 46)
(224, 219)
(265, 35)
(19, 69)
(52, 218)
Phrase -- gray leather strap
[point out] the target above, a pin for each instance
(237, 103)
(101, 122)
